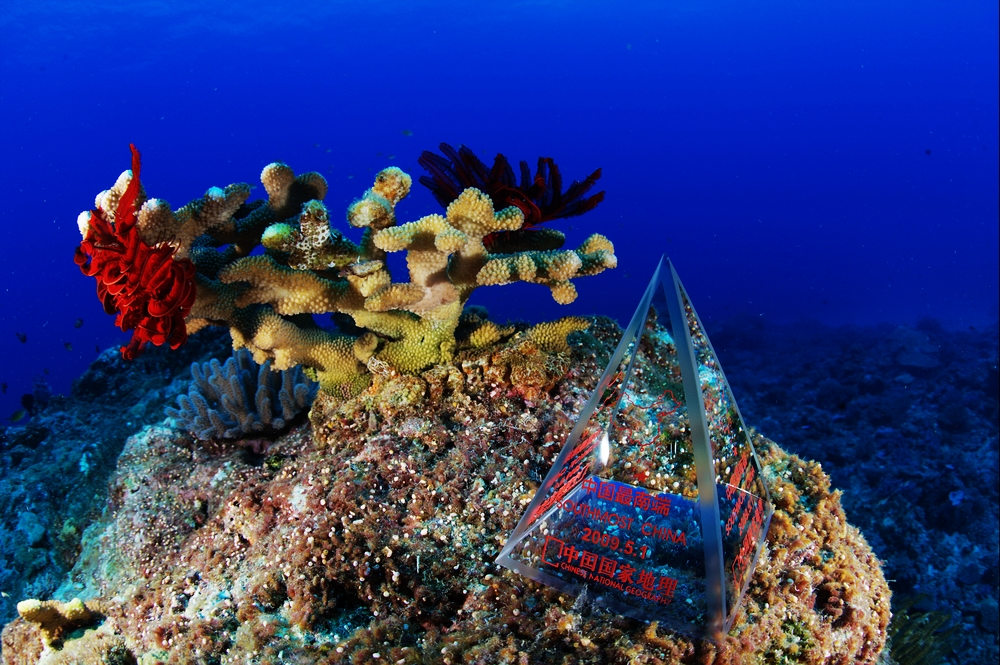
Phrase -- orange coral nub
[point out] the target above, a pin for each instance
(151, 291)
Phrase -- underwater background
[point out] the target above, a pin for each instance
(835, 163)
(824, 178)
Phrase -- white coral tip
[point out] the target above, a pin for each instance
(83, 221)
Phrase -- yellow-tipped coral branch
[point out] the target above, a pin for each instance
(310, 268)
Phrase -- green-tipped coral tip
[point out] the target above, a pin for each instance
(278, 237)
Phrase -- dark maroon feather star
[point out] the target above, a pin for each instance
(540, 198)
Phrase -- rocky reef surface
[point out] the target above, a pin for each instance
(368, 535)
(905, 421)
(54, 468)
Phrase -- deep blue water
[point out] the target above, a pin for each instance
(835, 162)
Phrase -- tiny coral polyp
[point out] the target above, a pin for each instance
(151, 291)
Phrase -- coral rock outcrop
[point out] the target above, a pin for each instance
(371, 537)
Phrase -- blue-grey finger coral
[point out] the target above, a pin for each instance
(241, 398)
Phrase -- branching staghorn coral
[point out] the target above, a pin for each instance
(240, 398)
(308, 268)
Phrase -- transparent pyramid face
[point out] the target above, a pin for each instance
(655, 507)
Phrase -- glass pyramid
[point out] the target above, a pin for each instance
(655, 507)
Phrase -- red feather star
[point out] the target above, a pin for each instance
(151, 291)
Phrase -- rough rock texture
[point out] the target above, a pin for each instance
(54, 469)
(369, 537)
(915, 450)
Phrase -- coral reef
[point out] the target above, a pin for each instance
(240, 398)
(370, 535)
(309, 268)
(914, 450)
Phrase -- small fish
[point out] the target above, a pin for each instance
(406, 132)
(22, 337)
(391, 157)
(68, 345)
(78, 323)
(315, 145)
(3, 387)
(18, 415)
(97, 348)
(28, 402)
(45, 371)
